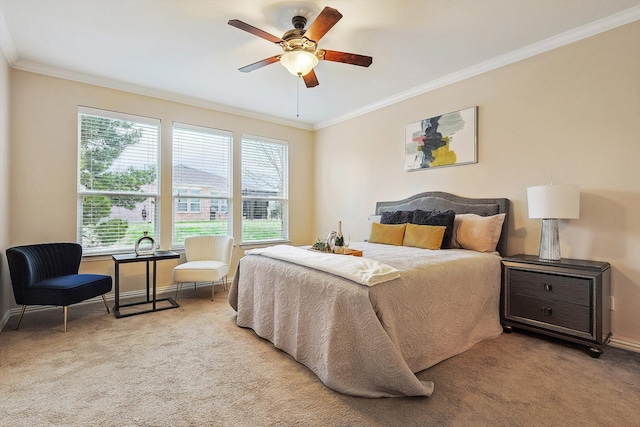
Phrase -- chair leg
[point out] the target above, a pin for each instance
(65, 309)
(177, 289)
(104, 299)
(213, 288)
(20, 318)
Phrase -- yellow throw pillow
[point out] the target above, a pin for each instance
(388, 234)
(424, 236)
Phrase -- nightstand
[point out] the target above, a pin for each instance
(568, 299)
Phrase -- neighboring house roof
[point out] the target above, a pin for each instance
(186, 175)
(193, 177)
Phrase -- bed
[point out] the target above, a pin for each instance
(370, 340)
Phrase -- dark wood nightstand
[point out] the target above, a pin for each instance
(568, 299)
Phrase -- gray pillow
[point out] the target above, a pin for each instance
(396, 217)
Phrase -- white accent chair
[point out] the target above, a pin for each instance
(208, 260)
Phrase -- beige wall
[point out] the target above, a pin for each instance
(566, 116)
(6, 295)
(44, 151)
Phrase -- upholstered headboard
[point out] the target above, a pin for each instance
(439, 201)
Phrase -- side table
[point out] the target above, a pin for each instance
(128, 258)
(568, 299)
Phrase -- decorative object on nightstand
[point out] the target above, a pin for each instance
(569, 299)
(552, 202)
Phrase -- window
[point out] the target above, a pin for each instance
(117, 179)
(184, 205)
(265, 199)
(201, 182)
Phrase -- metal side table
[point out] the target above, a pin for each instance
(128, 258)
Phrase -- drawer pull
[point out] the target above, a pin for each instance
(547, 287)
(546, 310)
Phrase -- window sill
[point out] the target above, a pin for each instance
(263, 244)
(109, 256)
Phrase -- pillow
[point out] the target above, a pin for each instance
(445, 218)
(388, 234)
(424, 236)
(396, 217)
(478, 233)
(372, 219)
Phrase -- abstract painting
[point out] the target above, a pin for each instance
(445, 140)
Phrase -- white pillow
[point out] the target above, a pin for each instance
(475, 232)
(372, 219)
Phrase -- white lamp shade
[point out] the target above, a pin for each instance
(299, 62)
(559, 201)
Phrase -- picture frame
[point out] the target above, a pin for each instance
(448, 139)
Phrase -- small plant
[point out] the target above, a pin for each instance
(320, 245)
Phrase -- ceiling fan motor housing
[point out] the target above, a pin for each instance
(299, 22)
(295, 40)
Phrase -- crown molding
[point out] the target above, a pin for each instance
(568, 37)
(8, 49)
(61, 73)
(6, 42)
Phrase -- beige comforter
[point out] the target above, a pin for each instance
(369, 341)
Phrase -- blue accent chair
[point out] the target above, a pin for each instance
(47, 274)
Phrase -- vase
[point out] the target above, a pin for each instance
(145, 245)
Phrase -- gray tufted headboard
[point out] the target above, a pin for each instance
(439, 201)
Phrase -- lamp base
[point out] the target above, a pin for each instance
(549, 241)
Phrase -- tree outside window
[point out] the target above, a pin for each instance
(117, 179)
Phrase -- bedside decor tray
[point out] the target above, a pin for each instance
(352, 252)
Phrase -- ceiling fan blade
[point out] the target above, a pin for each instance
(253, 30)
(260, 64)
(347, 58)
(322, 24)
(310, 79)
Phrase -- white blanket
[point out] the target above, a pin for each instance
(365, 271)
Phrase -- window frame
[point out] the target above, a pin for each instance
(154, 197)
(257, 200)
(184, 192)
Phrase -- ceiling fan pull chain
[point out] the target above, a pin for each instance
(298, 96)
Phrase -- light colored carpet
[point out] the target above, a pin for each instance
(192, 366)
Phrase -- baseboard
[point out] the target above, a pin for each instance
(625, 345)
(5, 319)
(142, 293)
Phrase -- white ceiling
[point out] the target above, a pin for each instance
(184, 50)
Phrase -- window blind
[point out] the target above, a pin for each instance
(202, 182)
(118, 182)
(265, 199)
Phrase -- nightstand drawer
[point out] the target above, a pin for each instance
(575, 290)
(558, 313)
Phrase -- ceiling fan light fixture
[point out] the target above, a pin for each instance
(299, 62)
(300, 45)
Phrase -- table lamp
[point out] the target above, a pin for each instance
(552, 202)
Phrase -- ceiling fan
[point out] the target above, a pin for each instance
(301, 53)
